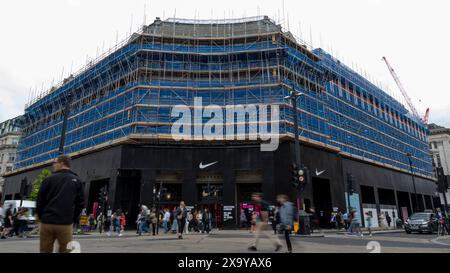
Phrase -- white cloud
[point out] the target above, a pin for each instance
(440, 116)
(12, 96)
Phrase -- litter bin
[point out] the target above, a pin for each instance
(399, 223)
(305, 223)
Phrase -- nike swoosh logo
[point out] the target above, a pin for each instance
(319, 173)
(201, 166)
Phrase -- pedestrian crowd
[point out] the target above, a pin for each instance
(179, 220)
(14, 223)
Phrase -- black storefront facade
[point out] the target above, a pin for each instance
(133, 172)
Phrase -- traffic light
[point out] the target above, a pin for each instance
(295, 175)
(25, 188)
(299, 175)
(103, 195)
(303, 174)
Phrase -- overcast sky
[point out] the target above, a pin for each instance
(42, 40)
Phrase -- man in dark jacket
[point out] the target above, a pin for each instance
(286, 213)
(59, 203)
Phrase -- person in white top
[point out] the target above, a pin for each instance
(166, 220)
(199, 221)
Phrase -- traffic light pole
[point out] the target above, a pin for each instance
(349, 191)
(299, 190)
(414, 183)
(158, 207)
(297, 150)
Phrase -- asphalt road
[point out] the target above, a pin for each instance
(238, 242)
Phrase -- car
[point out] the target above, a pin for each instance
(421, 222)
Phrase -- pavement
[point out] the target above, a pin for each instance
(237, 241)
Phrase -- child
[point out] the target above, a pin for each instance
(123, 223)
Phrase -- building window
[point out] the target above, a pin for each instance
(438, 160)
(11, 157)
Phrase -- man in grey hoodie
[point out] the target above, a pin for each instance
(286, 212)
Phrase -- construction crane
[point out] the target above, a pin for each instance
(405, 95)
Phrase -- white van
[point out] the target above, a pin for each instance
(15, 205)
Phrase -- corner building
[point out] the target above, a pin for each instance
(119, 124)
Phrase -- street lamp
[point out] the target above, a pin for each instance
(414, 182)
(293, 97)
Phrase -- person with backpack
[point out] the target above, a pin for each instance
(141, 222)
(287, 215)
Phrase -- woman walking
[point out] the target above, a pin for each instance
(369, 219)
(153, 220)
(181, 219)
(123, 223)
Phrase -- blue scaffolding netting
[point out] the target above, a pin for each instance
(130, 93)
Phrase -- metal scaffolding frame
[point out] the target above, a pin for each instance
(126, 94)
